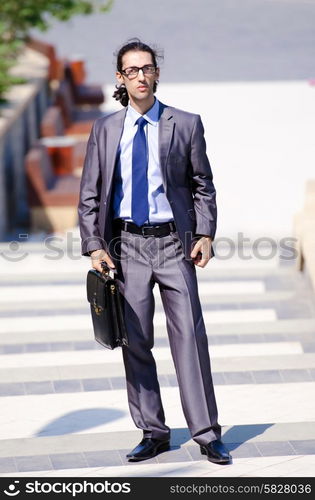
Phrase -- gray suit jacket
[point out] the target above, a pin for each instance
(185, 169)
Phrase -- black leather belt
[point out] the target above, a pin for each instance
(158, 230)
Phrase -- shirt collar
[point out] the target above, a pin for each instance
(152, 115)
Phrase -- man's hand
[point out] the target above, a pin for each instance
(98, 256)
(201, 253)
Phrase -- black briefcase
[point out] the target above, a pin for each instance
(106, 308)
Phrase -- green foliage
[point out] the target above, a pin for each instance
(19, 16)
(9, 50)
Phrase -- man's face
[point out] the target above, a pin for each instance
(140, 86)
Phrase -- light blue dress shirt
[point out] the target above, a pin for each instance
(159, 207)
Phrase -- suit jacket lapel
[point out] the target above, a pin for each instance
(114, 132)
(113, 136)
(166, 127)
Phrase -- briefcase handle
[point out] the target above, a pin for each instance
(106, 271)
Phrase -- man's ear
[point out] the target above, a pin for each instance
(157, 73)
(119, 77)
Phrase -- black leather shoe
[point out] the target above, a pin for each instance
(148, 448)
(216, 452)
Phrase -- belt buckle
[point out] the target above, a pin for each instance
(143, 228)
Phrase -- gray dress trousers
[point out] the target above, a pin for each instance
(141, 263)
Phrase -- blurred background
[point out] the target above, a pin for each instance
(248, 68)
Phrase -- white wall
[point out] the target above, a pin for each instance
(261, 145)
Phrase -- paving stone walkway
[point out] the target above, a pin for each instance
(63, 398)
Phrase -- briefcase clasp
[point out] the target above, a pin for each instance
(97, 309)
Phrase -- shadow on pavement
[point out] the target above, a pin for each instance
(76, 421)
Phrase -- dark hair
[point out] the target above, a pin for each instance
(120, 93)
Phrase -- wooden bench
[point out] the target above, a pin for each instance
(56, 69)
(83, 93)
(52, 125)
(60, 69)
(53, 200)
(75, 121)
(64, 119)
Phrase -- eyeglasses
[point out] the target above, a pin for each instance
(132, 72)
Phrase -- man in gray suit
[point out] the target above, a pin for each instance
(147, 208)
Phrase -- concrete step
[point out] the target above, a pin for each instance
(43, 303)
(280, 465)
(289, 327)
(167, 379)
(37, 416)
(98, 356)
(236, 365)
(257, 433)
(54, 341)
(61, 322)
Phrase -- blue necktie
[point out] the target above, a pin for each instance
(139, 201)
